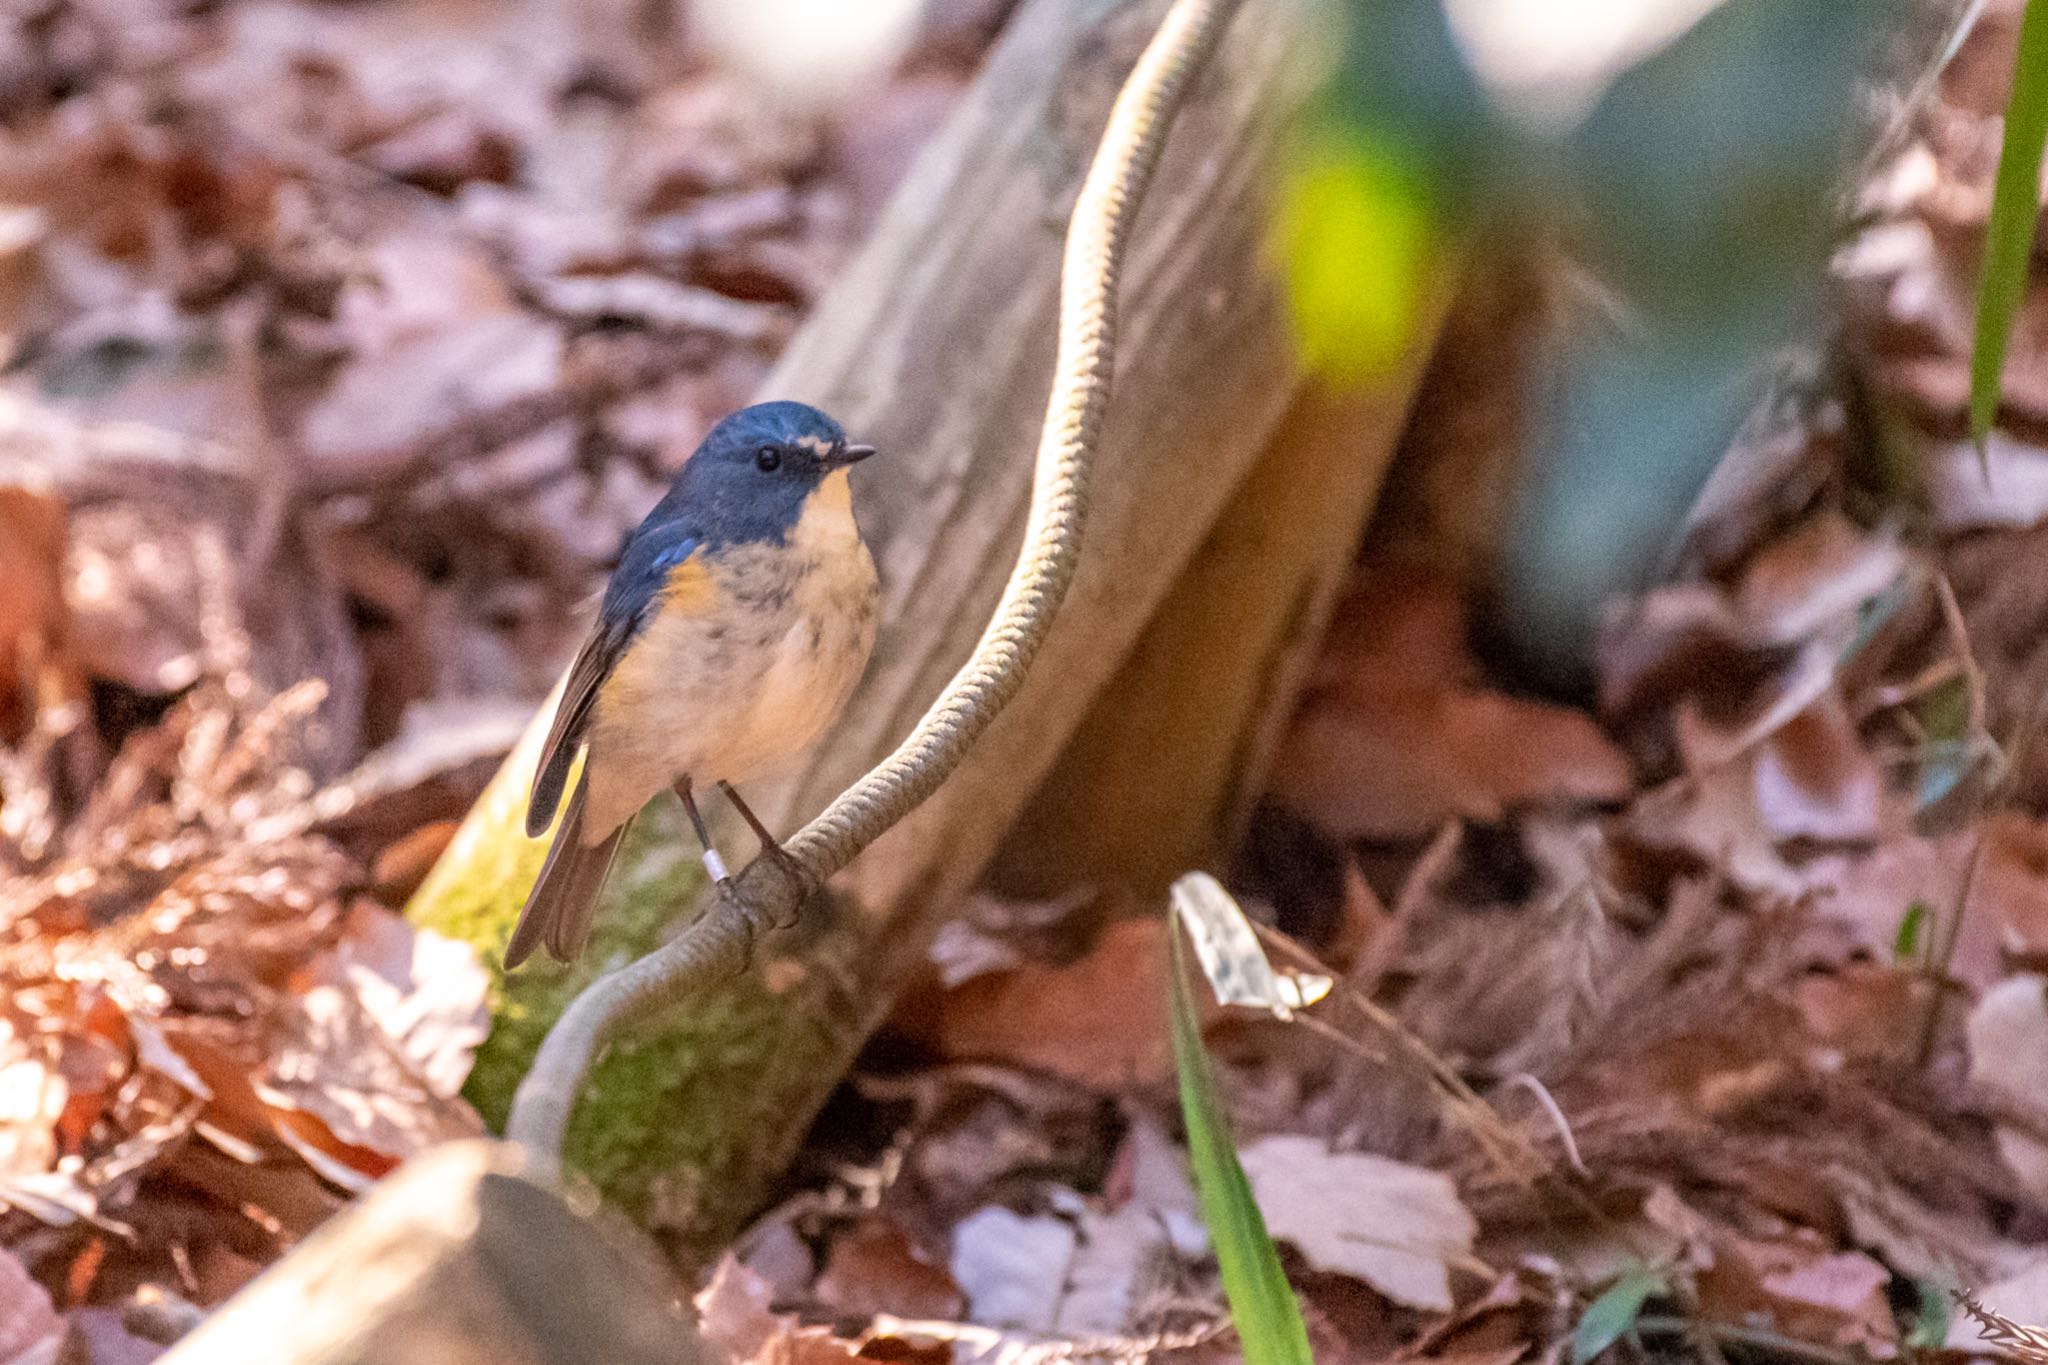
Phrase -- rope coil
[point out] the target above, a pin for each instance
(721, 939)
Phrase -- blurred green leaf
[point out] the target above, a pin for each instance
(1403, 78)
(1949, 752)
(2015, 207)
(1262, 1305)
(1706, 177)
(1710, 164)
(1874, 613)
(1624, 430)
(1614, 1312)
(1354, 230)
(1931, 1323)
(1912, 927)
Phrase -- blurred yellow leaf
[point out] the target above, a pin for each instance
(1353, 228)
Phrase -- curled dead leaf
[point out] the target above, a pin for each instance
(1397, 1227)
(1099, 1020)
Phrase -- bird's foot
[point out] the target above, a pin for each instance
(798, 876)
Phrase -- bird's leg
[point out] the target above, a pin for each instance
(770, 849)
(713, 864)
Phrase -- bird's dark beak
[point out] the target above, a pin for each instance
(852, 455)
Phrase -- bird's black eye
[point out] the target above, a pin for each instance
(768, 459)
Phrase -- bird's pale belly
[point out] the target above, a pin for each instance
(735, 698)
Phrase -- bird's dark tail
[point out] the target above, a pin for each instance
(560, 906)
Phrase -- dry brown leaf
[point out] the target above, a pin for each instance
(874, 1267)
(1100, 1021)
(1798, 1287)
(428, 994)
(986, 1132)
(1396, 733)
(1863, 1010)
(223, 997)
(1396, 766)
(138, 597)
(1964, 497)
(1809, 582)
(252, 259)
(157, 599)
(2006, 910)
(2012, 879)
(1713, 819)
(2008, 1042)
(1151, 1174)
(388, 404)
(1013, 1268)
(36, 667)
(1808, 779)
(1738, 665)
(734, 1315)
(1814, 779)
(989, 934)
(1397, 1227)
(33, 1094)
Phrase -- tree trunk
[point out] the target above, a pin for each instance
(937, 346)
(1163, 773)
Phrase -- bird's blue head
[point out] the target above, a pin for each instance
(753, 473)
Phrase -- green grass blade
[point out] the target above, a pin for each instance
(1262, 1305)
(2015, 204)
(1609, 1317)
(1911, 930)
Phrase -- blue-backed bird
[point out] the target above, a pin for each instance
(739, 618)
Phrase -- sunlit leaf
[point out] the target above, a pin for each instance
(2015, 205)
(1262, 1306)
(1228, 948)
(1611, 1315)
(1353, 229)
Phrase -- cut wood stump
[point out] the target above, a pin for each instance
(456, 1259)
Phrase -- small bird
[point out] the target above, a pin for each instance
(740, 616)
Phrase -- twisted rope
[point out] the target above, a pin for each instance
(719, 942)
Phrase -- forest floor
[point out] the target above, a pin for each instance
(343, 343)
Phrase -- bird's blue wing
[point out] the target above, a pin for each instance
(651, 553)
